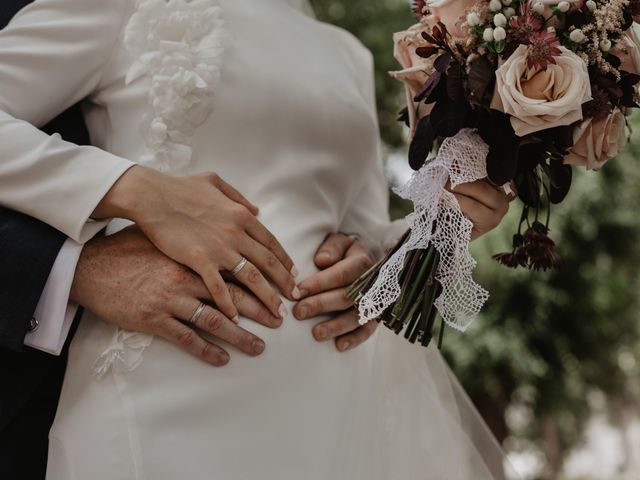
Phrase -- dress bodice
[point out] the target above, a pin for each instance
(290, 119)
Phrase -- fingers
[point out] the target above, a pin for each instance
(214, 322)
(232, 193)
(357, 337)
(250, 307)
(260, 233)
(251, 277)
(346, 330)
(271, 266)
(340, 275)
(332, 250)
(326, 302)
(483, 218)
(219, 292)
(188, 340)
(485, 193)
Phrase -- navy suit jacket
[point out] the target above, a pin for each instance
(30, 381)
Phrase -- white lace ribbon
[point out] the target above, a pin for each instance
(460, 159)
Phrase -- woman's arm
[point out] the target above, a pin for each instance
(52, 55)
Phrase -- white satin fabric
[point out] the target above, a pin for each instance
(292, 126)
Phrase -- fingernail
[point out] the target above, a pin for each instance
(236, 319)
(257, 346)
(303, 311)
(223, 358)
(296, 293)
(344, 346)
(304, 293)
(294, 271)
(282, 311)
(321, 333)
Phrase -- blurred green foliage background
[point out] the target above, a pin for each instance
(549, 348)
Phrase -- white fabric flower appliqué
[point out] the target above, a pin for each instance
(179, 46)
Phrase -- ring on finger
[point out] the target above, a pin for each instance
(197, 313)
(238, 268)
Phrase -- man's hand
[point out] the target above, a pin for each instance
(342, 260)
(125, 280)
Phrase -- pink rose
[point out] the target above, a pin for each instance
(627, 49)
(450, 12)
(596, 142)
(415, 69)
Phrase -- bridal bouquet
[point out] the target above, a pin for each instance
(515, 91)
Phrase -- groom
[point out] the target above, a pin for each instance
(36, 260)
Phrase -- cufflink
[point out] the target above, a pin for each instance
(33, 324)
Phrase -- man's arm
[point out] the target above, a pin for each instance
(28, 250)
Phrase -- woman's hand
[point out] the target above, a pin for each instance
(342, 260)
(482, 203)
(203, 223)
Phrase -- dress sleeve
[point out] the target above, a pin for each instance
(52, 55)
(368, 215)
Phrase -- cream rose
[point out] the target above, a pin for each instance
(627, 49)
(540, 99)
(596, 142)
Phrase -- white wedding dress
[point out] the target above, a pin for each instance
(282, 107)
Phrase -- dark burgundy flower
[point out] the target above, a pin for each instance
(634, 10)
(419, 8)
(599, 107)
(539, 248)
(522, 27)
(543, 46)
(514, 259)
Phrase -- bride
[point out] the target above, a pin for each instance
(282, 107)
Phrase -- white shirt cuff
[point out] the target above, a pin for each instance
(54, 313)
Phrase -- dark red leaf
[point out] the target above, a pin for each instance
(442, 62)
(429, 85)
(426, 52)
(422, 143)
(481, 80)
(561, 176)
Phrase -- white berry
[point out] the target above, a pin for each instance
(506, 3)
(495, 5)
(487, 35)
(538, 8)
(564, 7)
(509, 12)
(499, 34)
(499, 20)
(473, 19)
(577, 36)
(591, 5)
(605, 45)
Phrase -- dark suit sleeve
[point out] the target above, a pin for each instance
(28, 249)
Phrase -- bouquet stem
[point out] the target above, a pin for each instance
(414, 310)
